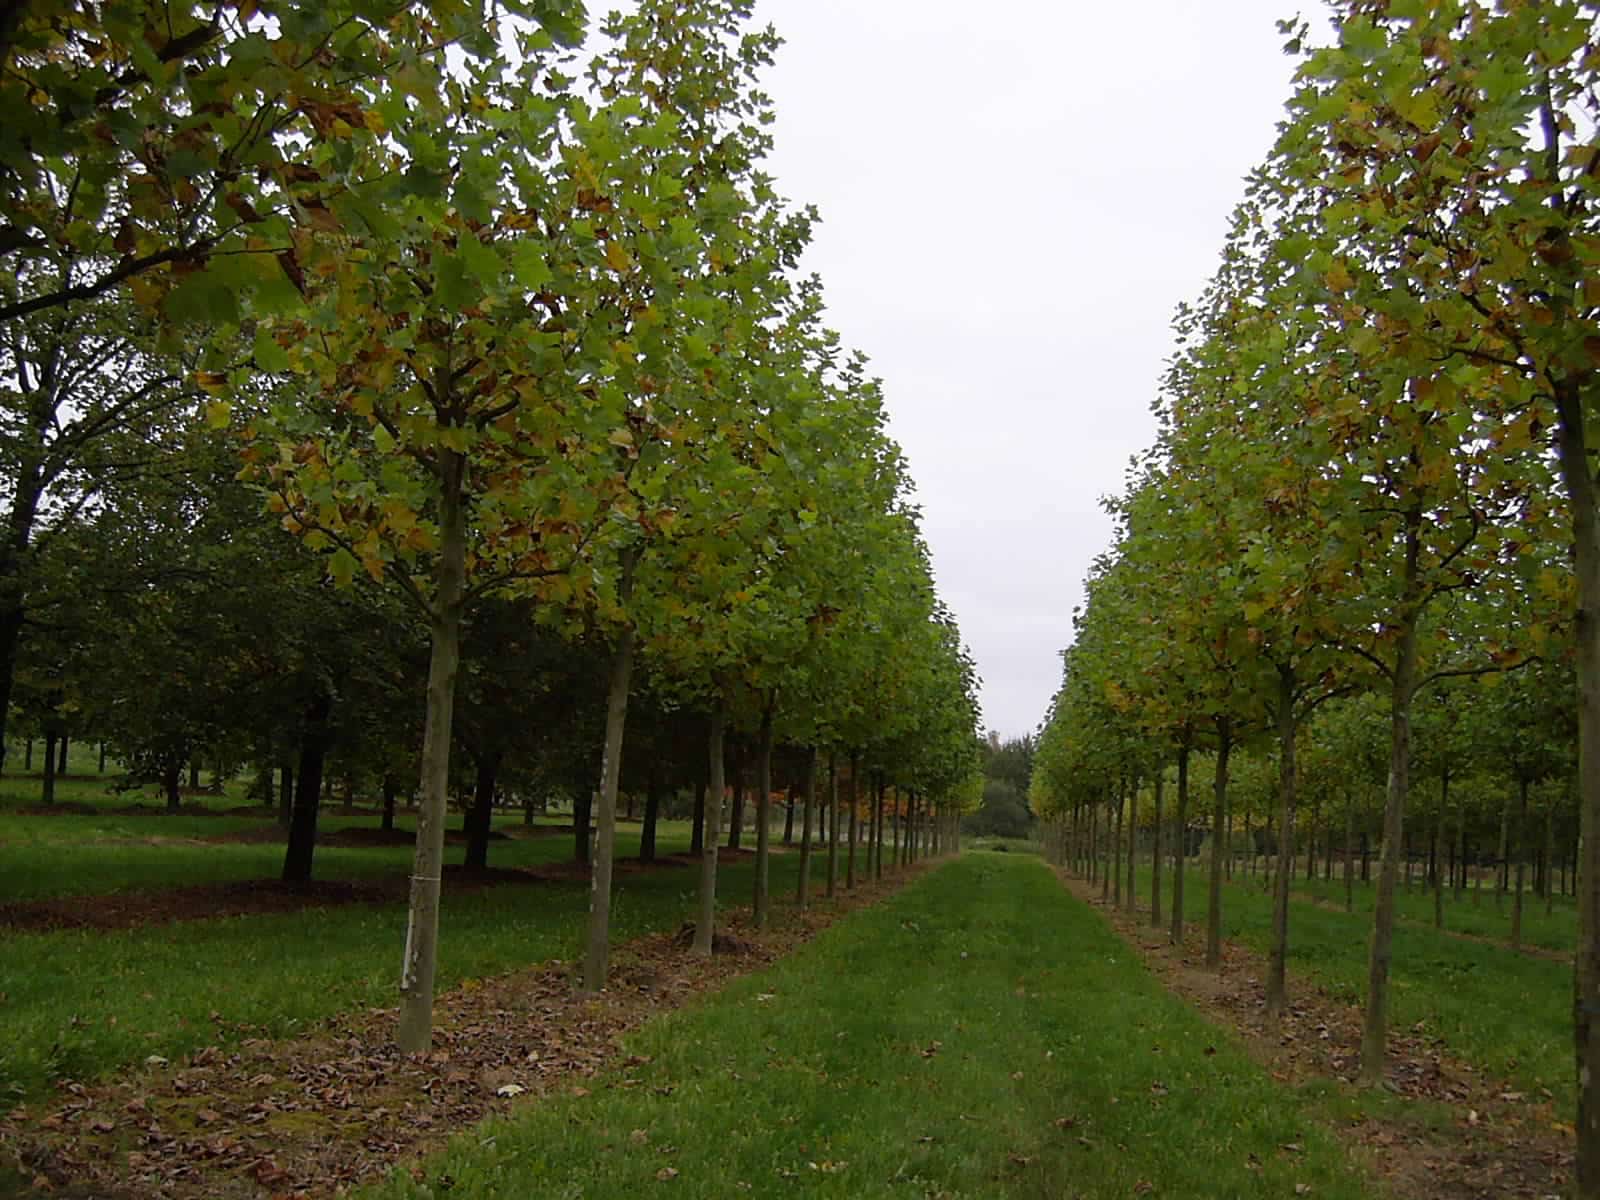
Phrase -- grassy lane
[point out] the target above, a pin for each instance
(981, 1034)
(1507, 1013)
(78, 1004)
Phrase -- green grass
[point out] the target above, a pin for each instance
(981, 1034)
(44, 856)
(1477, 913)
(78, 1004)
(1507, 1013)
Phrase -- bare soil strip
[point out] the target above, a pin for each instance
(309, 1116)
(1497, 1143)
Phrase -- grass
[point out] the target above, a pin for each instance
(75, 855)
(1478, 913)
(1507, 1013)
(980, 1034)
(78, 1004)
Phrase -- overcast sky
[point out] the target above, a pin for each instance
(1015, 196)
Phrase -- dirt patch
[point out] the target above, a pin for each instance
(313, 1116)
(1498, 1142)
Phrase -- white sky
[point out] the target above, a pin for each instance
(1015, 196)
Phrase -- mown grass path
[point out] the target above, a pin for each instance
(981, 1034)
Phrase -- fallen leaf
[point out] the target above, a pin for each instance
(667, 1173)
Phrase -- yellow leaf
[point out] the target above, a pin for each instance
(1339, 278)
(210, 381)
(218, 414)
(617, 258)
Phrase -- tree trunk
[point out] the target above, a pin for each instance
(1520, 842)
(1549, 854)
(1375, 1028)
(1129, 903)
(1277, 989)
(391, 790)
(705, 926)
(285, 795)
(480, 818)
(788, 816)
(803, 889)
(1502, 871)
(61, 763)
(854, 834)
(833, 824)
(171, 780)
(1459, 855)
(420, 959)
(1349, 853)
(697, 835)
(877, 836)
(652, 814)
(102, 769)
(48, 791)
(194, 771)
(1180, 834)
(302, 847)
(1219, 811)
(763, 819)
(27, 754)
(597, 949)
(1438, 882)
(1114, 858)
(736, 819)
(1155, 854)
(582, 827)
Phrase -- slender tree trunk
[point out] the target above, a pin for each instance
(1503, 866)
(1277, 987)
(1129, 901)
(1218, 820)
(697, 835)
(1549, 854)
(877, 820)
(833, 824)
(855, 806)
(803, 888)
(1108, 865)
(480, 818)
(171, 780)
(285, 795)
(705, 927)
(1375, 1028)
(652, 814)
(582, 827)
(1349, 853)
(763, 818)
(48, 791)
(420, 960)
(1180, 834)
(297, 857)
(736, 821)
(1460, 869)
(1520, 842)
(61, 763)
(1438, 882)
(391, 789)
(1114, 858)
(102, 768)
(597, 951)
(27, 754)
(788, 816)
(1155, 853)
